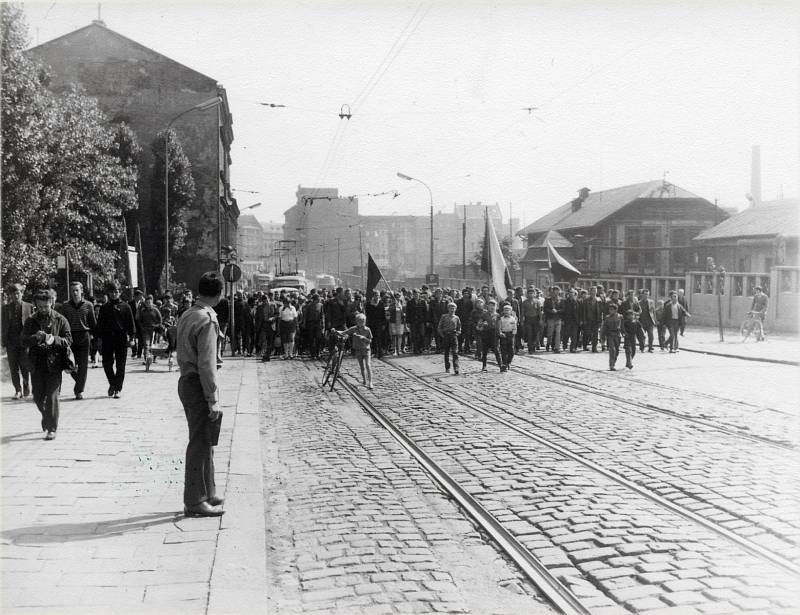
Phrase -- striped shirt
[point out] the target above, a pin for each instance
(80, 317)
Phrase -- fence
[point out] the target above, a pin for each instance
(781, 284)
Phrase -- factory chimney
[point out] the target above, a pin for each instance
(755, 177)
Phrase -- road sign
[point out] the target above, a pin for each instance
(432, 278)
(232, 273)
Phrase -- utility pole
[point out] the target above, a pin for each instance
(464, 245)
(361, 256)
(339, 258)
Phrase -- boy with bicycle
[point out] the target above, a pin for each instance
(362, 340)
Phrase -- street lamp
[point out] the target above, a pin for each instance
(409, 178)
(203, 106)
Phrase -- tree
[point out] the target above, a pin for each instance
(181, 197)
(505, 247)
(68, 178)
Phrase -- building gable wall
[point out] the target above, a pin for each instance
(138, 86)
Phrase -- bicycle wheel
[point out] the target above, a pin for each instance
(758, 330)
(746, 329)
(336, 368)
(330, 368)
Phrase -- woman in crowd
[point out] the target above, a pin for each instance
(397, 322)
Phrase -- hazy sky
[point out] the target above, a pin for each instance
(624, 92)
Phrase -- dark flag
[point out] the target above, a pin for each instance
(560, 267)
(374, 275)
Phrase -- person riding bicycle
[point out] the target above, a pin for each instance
(760, 302)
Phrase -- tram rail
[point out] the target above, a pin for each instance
(559, 594)
(743, 543)
(576, 384)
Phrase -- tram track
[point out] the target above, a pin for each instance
(556, 592)
(663, 387)
(576, 384)
(748, 545)
(559, 593)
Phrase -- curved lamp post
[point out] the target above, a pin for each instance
(414, 179)
(203, 106)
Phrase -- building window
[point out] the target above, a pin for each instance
(641, 237)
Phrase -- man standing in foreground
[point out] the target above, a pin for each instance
(199, 360)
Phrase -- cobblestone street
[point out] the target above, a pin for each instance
(643, 491)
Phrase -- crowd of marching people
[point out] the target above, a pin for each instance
(118, 324)
(451, 322)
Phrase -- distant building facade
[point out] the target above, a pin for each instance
(625, 235)
(146, 90)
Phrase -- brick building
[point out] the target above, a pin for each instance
(147, 90)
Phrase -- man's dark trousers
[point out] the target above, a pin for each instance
(450, 345)
(18, 364)
(199, 468)
(46, 386)
(115, 353)
(81, 341)
(613, 340)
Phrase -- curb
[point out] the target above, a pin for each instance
(239, 573)
(742, 357)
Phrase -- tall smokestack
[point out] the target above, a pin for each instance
(755, 176)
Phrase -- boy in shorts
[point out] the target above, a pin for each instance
(362, 340)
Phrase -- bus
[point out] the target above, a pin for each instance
(291, 281)
(261, 281)
(325, 282)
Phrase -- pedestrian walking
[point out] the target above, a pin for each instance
(198, 360)
(449, 332)
(674, 317)
(610, 333)
(631, 330)
(82, 324)
(362, 341)
(15, 313)
(487, 326)
(117, 331)
(507, 333)
(47, 336)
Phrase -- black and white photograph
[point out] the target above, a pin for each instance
(385, 307)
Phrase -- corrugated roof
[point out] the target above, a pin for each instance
(765, 220)
(556, 239)
(600, 205)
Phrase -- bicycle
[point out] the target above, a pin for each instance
(752, 325)
(334, 362)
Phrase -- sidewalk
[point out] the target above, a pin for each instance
(779, 348)
(92, 522)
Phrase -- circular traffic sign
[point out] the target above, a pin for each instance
(232, 273)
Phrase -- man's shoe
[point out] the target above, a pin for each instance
(447, 370)
(18, 395)
(116, 394)
(215, 501)
(649, 350)
(612, 369)
(51, 435)
(203, 509)
(26, 391)
(455, 371)
(78, 395)
(111, 391)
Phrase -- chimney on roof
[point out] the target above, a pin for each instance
(583, 194)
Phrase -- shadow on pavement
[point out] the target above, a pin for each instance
(69, 532)
(37, 435)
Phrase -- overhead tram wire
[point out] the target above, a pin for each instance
(391, 55)
(370, 85)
